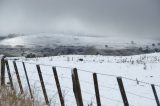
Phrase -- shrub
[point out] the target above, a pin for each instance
(153, 44)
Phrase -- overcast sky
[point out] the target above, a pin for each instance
(100, 17)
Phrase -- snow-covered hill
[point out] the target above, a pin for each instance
(51, 44)
(140, 68)
(56, 39)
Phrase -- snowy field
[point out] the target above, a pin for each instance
(144, 68)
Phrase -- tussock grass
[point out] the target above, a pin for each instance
(10, 97)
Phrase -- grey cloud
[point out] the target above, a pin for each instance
(102, 17)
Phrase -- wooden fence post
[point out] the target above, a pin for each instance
(18, 77)
(122, 90)
(76, 87)
(155, 94)
(96, 89)
(58, 86)
(3, 71)
(42, 84)
(27, 80)
(9, 74)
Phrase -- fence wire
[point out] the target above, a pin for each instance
(87, 71)
(83, 81)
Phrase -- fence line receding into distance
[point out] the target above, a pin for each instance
(75, 84)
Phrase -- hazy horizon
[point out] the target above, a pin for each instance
(134, 18)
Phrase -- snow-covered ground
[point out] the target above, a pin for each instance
(144, 68)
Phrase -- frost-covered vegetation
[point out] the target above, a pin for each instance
(142, 69)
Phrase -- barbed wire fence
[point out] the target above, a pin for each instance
(77, 92)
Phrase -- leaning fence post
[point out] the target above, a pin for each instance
(3, 71)
(18, 77)
(58, 86)
(122, 90)
(96, 89)
(76, 87)
(42, 84)
(155, 94)
(27, 80)
(9, 74)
